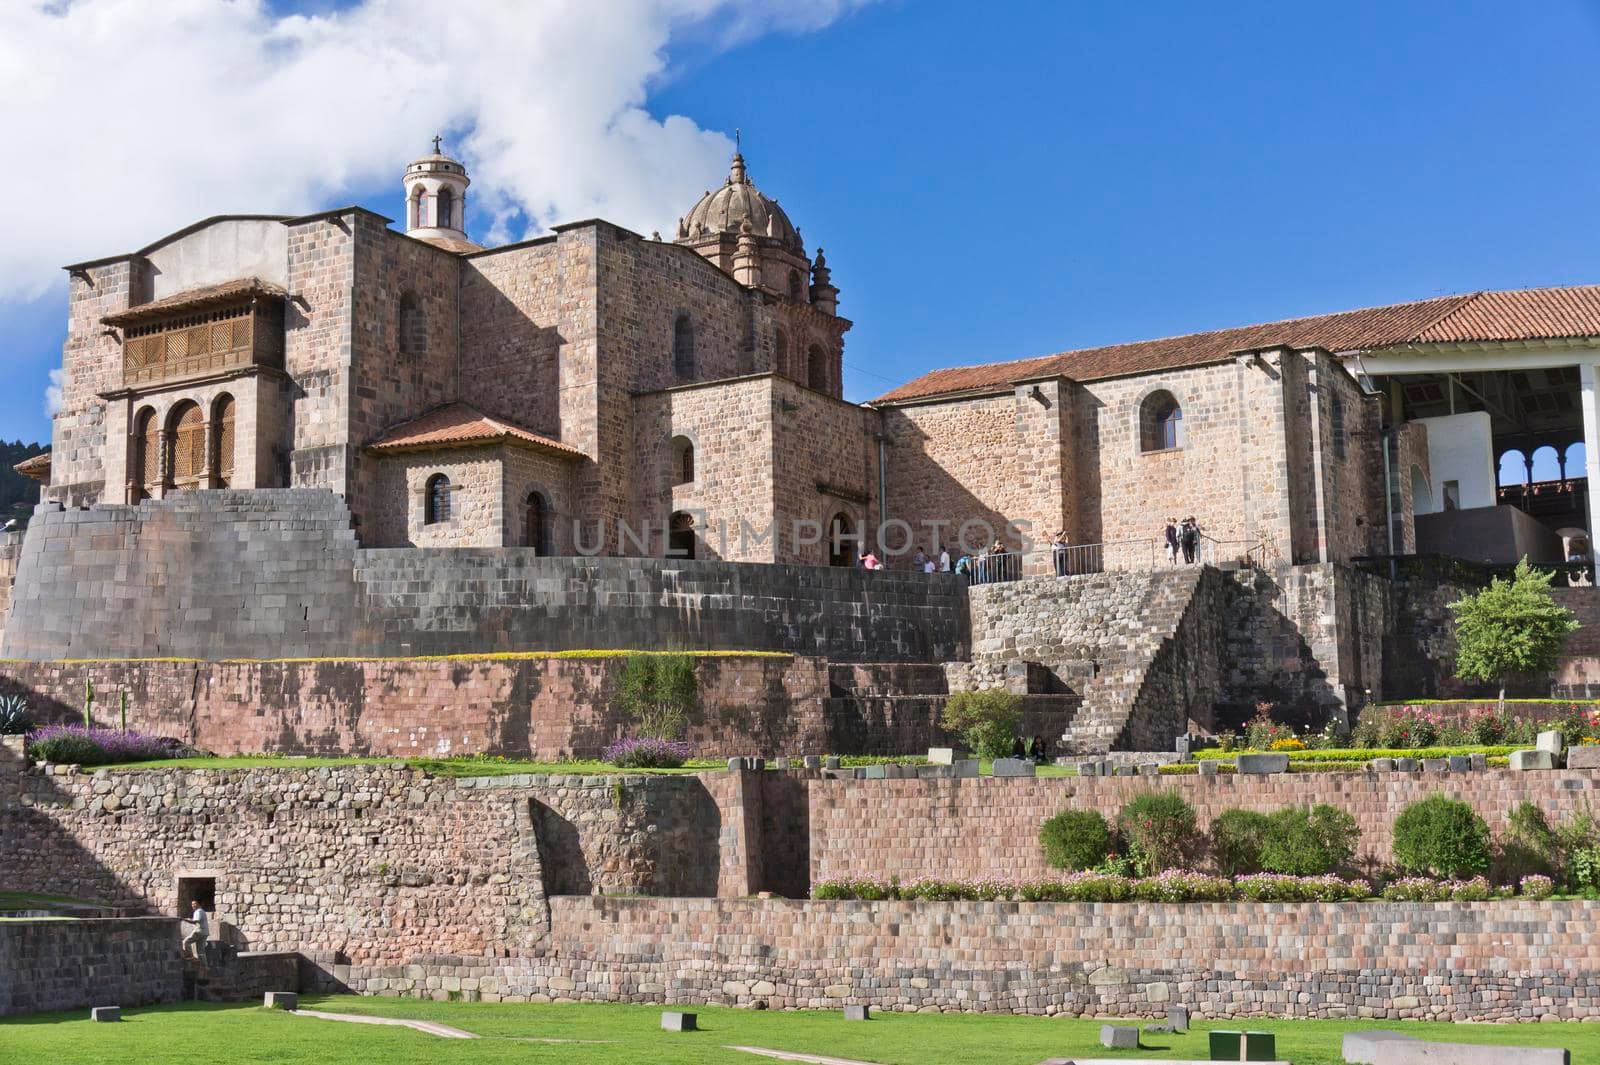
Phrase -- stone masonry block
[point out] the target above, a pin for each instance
(1584, 756)
(1256, 764)
(673, 1021)
(1525, 760)
(1119, 1037)
(1550, 741)
(106, 1013)
(858, 1013)
(1013, 767)
(1416, 1052)
(1361, 1048)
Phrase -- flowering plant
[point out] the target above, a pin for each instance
(648, 752)
(76, 745)
(1537, 886)
(1276, 887)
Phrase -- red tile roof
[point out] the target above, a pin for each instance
(36, 468)
(458, 425)
(1548, 313)
(236, 291)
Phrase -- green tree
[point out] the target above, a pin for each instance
(658, 693)
(986, 720)
(1510, 629)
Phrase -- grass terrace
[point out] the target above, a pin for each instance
(603, 1034)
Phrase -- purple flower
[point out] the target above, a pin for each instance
(648, 752)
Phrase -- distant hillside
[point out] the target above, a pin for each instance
(15, 488)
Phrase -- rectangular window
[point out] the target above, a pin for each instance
(1452, 495)
(196, 889)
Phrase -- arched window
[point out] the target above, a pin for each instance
(1336, 427)
(186, 445)
(1575, 462)
(222, 436)
(436, 500)
(797, 289)
(145, 469)
(536, 524)
(683, 346)
(1160, 423)
(682, 460)
(413, 325)
(1546, 462)
(817, 368)
(780, 352)
(1421, 492)
(416, 220)
(1513, 469)
(841, 541)
(444, 209)
(680, 535)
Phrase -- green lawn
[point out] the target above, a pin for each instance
(202, 1034)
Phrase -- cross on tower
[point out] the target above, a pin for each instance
(436, 140)
(736, 138)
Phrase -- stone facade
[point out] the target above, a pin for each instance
(80, 964)
(542, 708)
(387, 881)
(974, 828)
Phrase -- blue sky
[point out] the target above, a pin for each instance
(1001, 180)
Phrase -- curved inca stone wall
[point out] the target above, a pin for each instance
(278, 574)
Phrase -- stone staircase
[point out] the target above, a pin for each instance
(230, 975)
(1111, 696)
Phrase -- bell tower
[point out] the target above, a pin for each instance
(436, 199)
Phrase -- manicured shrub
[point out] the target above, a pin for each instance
(1075, 839)
(1158, 828)
(1180, 885)
(1440, 836)
(1298, 843)
(647, 752)
(1236, 837)
(1475, 890)
(987, 720)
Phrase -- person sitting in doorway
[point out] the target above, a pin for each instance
(1041, 750)
(1018, 748)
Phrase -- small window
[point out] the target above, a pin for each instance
(683, 346)
(436, 500)
(680, 535)
(797, 289)
(444, 210)
(413, 325)
(1452, 495)
(682, 460)
(1160, 423)
(1336, 427)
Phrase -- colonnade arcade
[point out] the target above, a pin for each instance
(188, 446)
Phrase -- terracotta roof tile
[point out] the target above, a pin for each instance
(235, 291)
(1556, 313)
(36, 468)
(458, 425)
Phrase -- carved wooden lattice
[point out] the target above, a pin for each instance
(148, 468)
(188, 447)
(202, 343)
(224, 432)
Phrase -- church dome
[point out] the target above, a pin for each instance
(738, 201)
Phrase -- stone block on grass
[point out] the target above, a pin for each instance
(281, 1000)
(1479, 762)
(1381, 765)
(106, 1013)
(1436, 765)
(1551, 741)
(1013, 767)
(1361, 1048)
(1261, 764)
(1460, 763)
(813, 761)
(780, 763)
(1207, 769)
(1178, 1018)
(1417, 1052)
(1119, 1037)
(1523, 761)
(1405, 765)
(673, 1021)
(1087, 769)
(966, 768)
(1584, 756)
(1150, 769)
(858, 1013)
(831, 762)
(946, 755)
(877, 772)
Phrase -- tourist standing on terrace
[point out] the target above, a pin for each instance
(1172, 541)
(201, 934)
(1189, 536)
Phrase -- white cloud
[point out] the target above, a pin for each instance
(52, 393)
(131, 118)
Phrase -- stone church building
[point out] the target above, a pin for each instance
(598, 391)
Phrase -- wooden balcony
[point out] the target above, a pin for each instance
(203, 344)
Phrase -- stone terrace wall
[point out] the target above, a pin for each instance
(537, 707)
(1479, 961)
(66, 965)
(990, 827)
(226, 574)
